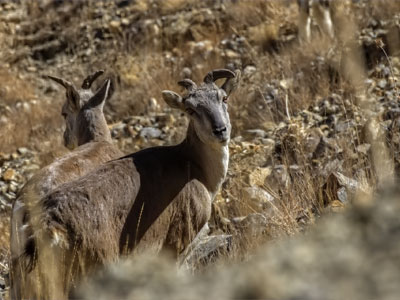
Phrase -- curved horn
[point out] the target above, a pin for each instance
(188, 84)
(63, 82)
(217, 74)
(87, 83)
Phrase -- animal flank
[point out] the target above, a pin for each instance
(155, 199)
(90, 150)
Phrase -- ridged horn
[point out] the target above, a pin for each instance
(88, 81)
(188, 84)
(217, 74)
(62, 82)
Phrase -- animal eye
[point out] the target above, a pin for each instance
(190, 111)
(64, 115)
(225, 99)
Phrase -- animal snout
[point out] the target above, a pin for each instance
(218, 131)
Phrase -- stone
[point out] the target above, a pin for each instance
(13, 186)
(231, 54)
(31, 69)
(115, 25)
(205, 248)
(253, 224)
(125, 21)
(342, 195)
(258, 176)
(255, 133)
(9, 175)
(260, 199)
(249, 70)
(382, 83)
(363, 148)
(150, 133)
(23, 150)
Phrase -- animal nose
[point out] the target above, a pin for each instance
(219, 130)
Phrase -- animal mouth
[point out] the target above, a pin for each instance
(224, 140)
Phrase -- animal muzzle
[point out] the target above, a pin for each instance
(221, 133)
(67, 142)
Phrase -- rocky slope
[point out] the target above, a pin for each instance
(314, 124)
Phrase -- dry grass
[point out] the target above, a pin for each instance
(290, 81)
(24, 117)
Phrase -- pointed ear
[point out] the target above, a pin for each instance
(100, 96)
(111, 90)
(173, 99)
(231, 84)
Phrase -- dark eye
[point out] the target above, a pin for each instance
(64, 115)
(190, 111)
(225, 99)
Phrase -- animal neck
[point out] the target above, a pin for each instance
(92, 127)
(212, 160)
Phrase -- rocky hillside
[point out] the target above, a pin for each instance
(314, 124)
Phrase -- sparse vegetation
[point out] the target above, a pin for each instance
(315, 125)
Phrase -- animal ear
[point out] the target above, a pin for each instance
(72, 94)
(99, 98)
(231, 84)
(111, 90)
(173, 99)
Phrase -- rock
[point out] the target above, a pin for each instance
(10, 196)
(280, 175)
(115, 25)
(255, 133)
(382, 83)
(150, 133)
(363, 148)
(342, 195)
(285, 84)
(3, 201)
(258, 176)
(261, 199)
(231, 54)
(31, 69)
(249, 70)
(23, 150)
(125, 21)
(268, 144)
(351, 184)
(252, 224)
(13, 186)
(9, 175)
(3, 187)
(205, 248)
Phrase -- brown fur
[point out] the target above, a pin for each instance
(94, 150)
(158, 198)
